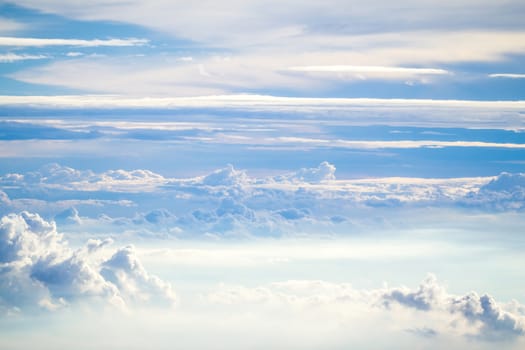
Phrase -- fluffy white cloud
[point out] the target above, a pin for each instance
(39, 270)
(125, 271)
(323, 173)
(229, 201)
(429, 304)
(61, 177)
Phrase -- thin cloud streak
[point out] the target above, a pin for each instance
(507, 75)
(12, 57)
(39, 42)
(371, 69)
(243, 100)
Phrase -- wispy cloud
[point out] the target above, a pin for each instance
(13, 57)
(8, 25)
(39, 42)
(380, 70)
(507, 75)
(244, 100)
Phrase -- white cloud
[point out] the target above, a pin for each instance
(248, 101)
(325, 172)
(254, 23)
(8, 25)
(371, 72)
(371, 69)
(443, 313)
(507, 75)
(39, 270)
(13, 57)
(231, 203)
(74, 54)
(403, 144)
(125, 270)
(39, 42)
(56, 176)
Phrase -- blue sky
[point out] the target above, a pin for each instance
(262, 174)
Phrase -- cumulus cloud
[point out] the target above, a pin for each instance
(503, 192)
(228, 176)
(323, 173)
(68, 216)
(231, 201)
(39, 270)
(125, 271)
(56, 176)
(469, 315)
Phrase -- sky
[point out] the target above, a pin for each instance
(260, 174)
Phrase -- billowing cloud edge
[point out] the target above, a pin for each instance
(39, 271)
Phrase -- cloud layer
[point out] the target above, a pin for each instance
(428, 311)
(229, 201)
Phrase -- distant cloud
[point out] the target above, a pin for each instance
(507, 75)
(470, 315)
(372, 72)
(39, 42)
(8, 25)
(247, 101)
(74, 54)
(370, 69)
(229, 201)
(12, 57)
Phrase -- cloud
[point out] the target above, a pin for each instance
(68, 216)
(323, 173)
(74, 54)
(40, 42)
(229, 202)
(228, 176)
(258, 46)
(248, 102)
(469, 315)
(371, 72)
(8, 25)
(56, 176)
(252, 24)
(39, 270)
(507, 75)
(13, 57)
(503, 192)
(125, 270)
(402, 144)
(370, 69)
(423, 298)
